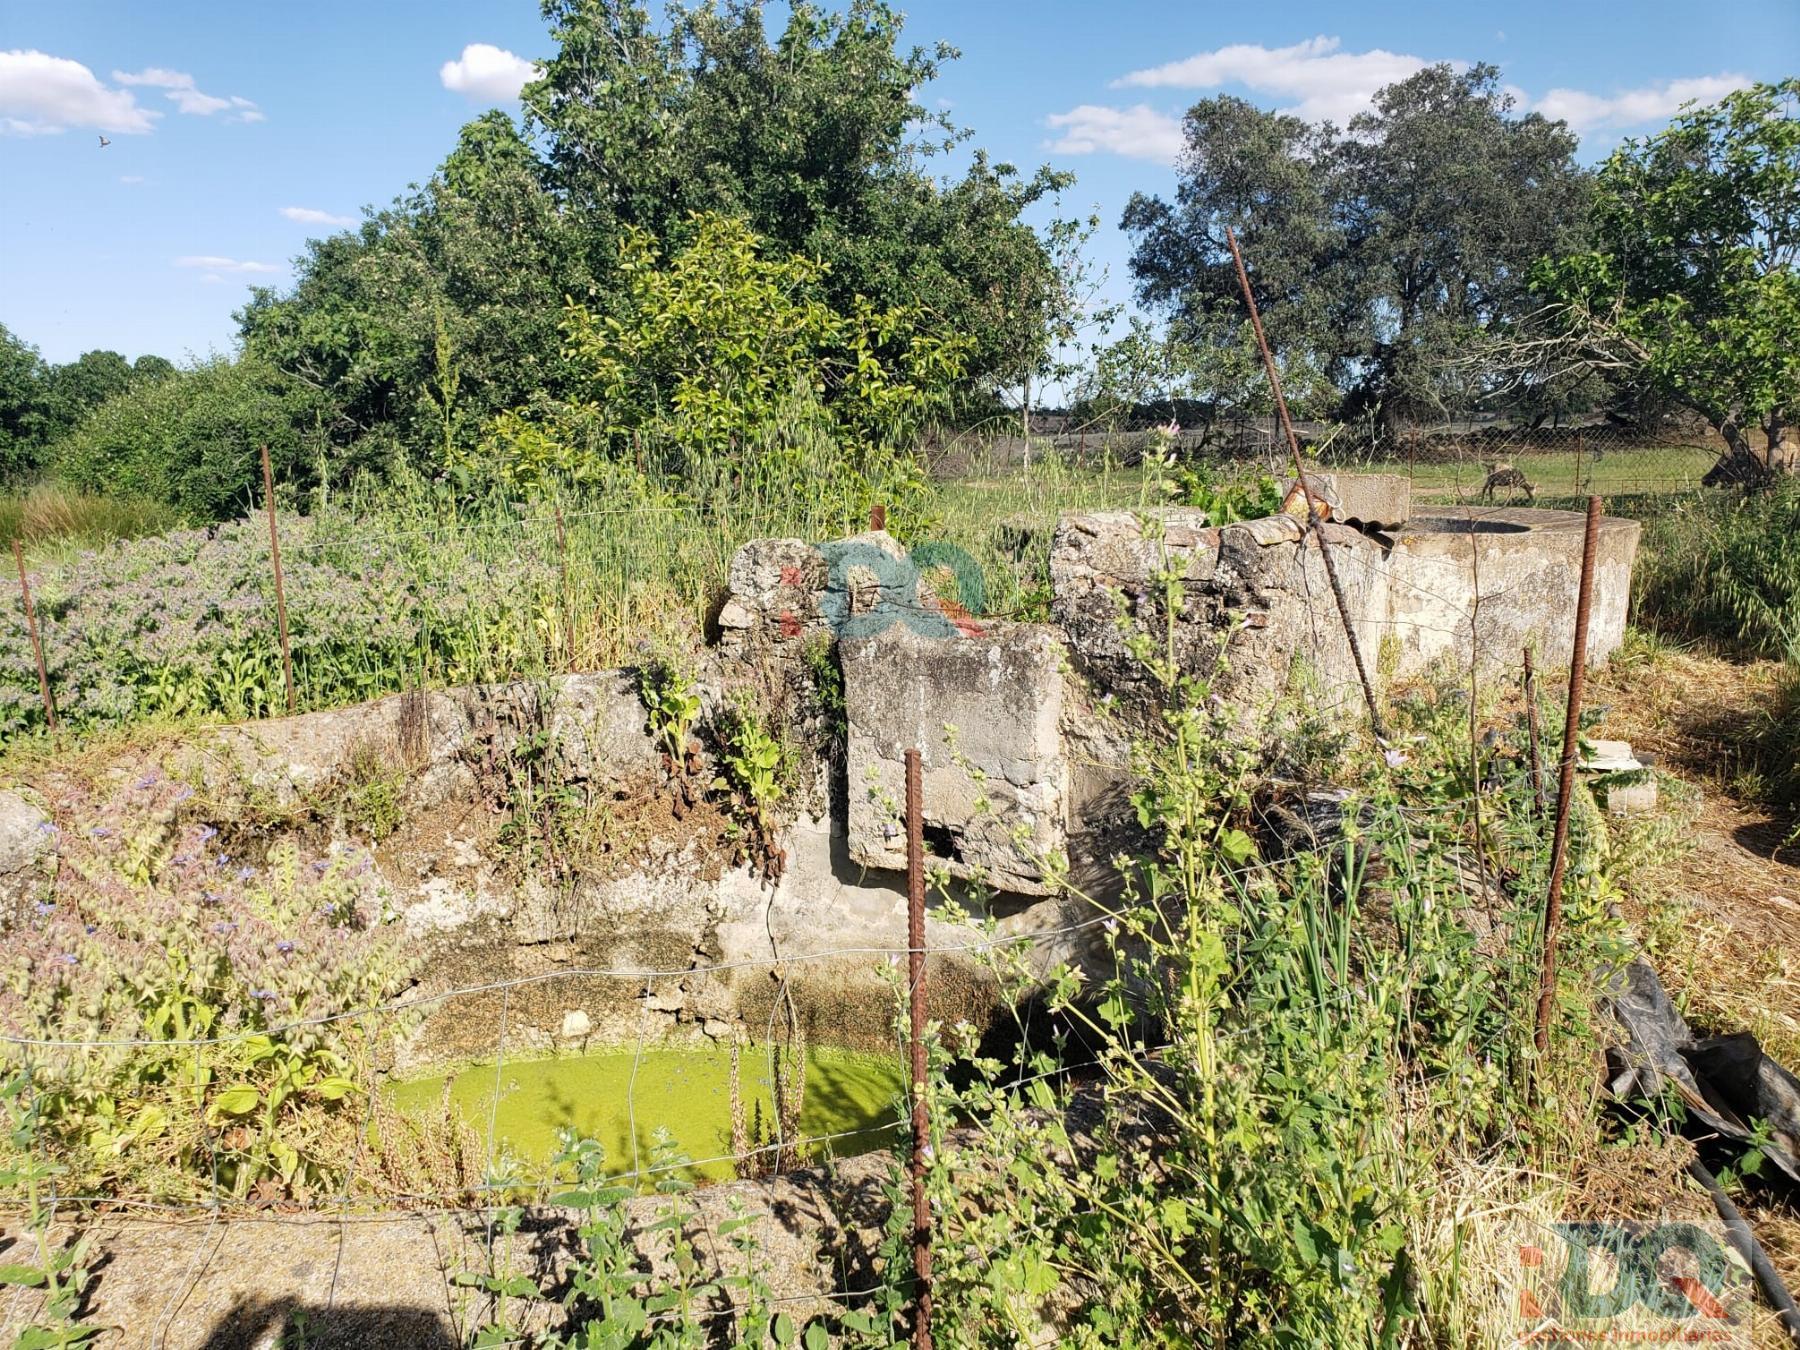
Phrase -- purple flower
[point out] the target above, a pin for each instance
(284, 947)
(149, 780)
(264, 994)
(185, 792)
(69, 959)
(100, 832)
(45, 907)
(245, 873)
(46, 827)
(224, 926)
(207, 832)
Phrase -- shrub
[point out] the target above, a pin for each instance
(191, 440)
(159, 933)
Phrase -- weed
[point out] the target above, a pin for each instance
(62, 1272)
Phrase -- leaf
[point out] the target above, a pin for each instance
(236, 1101)
(29, 1276)
(334, 1088)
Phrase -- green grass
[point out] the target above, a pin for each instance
(50, 519)
(686, 1091)
(1560, 474)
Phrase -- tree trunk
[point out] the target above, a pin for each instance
(1742, 465)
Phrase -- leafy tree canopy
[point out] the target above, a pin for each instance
(714, 350)
(1374, 251)
(1691, 280)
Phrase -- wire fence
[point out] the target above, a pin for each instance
(1453, 458)
(194, 1281)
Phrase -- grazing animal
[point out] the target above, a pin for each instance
(1505, 476)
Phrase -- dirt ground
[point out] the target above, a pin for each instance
(1724, 928)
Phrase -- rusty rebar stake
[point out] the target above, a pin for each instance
(287, 655)
(1565, 782)
(915, 1001)
(37, 646)
(1312, 504)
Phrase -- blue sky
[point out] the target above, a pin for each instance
(239, 129)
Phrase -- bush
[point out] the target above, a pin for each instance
(191, 440)
(160, 933)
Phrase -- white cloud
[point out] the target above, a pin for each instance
(1324, 84)
(311, 215)
(1139, 131)
(487, 74)
(214, 265)
(41, 94)
(131, 179)
(1585, 112)
(179, 88)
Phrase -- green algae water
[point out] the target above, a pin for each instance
(621, 1098)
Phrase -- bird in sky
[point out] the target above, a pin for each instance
(104, 142)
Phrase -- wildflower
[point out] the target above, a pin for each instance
(69, 959)
(266, 995)
(185, 792)
(1395, 758)
(285, 947)
(100, 832)
(46, 827)
(245, 873)
(207, 832)
(45, 907)
(224, 926)
(149, 780)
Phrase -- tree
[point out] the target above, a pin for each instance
(713, 349)
(436, 314)
(817, 139)
(1375, 251)
(82, 385)
(192, 439)
(24, 404)
(1691, 280)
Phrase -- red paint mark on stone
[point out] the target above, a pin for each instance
(790, 626)
(790, 576)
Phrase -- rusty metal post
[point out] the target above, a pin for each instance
(568, 607)
(37, 646)
(878, 517)
(1531, 725)
(915, 1000)
(287, 655)
(1565, 783)
(1312, 505)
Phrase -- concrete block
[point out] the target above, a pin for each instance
(985, 714)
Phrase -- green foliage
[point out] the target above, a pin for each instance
(40, 402)
(1727, 570)
(439, 312)
(62, 1272)
(192, 439)
(707, 351)
(819, 139)
(1238, 496)
(667, 689)
(1374, 252)
(1691, 282)
(1295, 1052)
